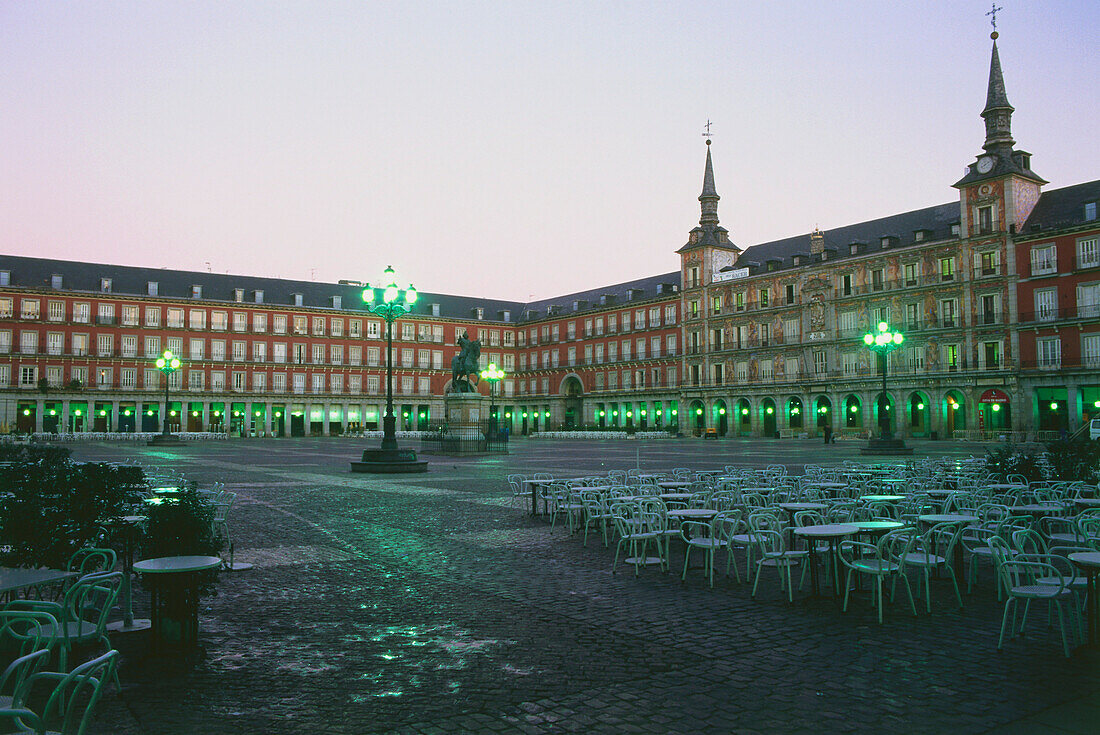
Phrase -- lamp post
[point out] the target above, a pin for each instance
(167, 364)
(882, 342)
(493, 375)
(390, 303)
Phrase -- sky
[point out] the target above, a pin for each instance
(516, 150)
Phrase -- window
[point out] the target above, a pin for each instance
(670, 345)
(639, 319)
(1088, 300)
(948, 307)
(990, 304)
(655, 317)
(765, 333)
(877, 279)
(846, 285)
(56, 311)
(406, 384)
(196, 351)
(1088, 252)
(991, 354)
(175, 318)
(240, 320)
(105, 314)
(105, 345)
(1044, 259)
(767, 369)
(152, 346)
(217, 349)
(278, 352)
(1090, 350)
(80, 344)
(299, 325)
(1046, 304)
(355, 384)
(693, 309)
(152, 288)
(947, 269)
(989, 263)
(670, 314)
(29, 308)
(693, 276)
(319, 326)
(240, 380)
(821, 362)
(278, 382)
(152, 316)
(82, 313)
(374, 329)
(599, 354)
(846, 322)
(914, 358)
(951, 357)
(28, 343)
(912, 273)
(259, 352)
(355, 355)
(655, 346)
(790, 293)
(259, 322)
(762, 298)
(240, 349)
(219, 321)
(626, 322)
(848, 363)
(336, 354)
(55, 343)
(195, 379)
(336, 383)
(336, 327)
(790, 367)
(196, 292)
(5, 308)
(716, 304)
(28, 376)
(5, 341)
(790, 331)
(406, 357)
(355, 328)
(1050, 352)
(626, 349)
(130, 316)
(299, 382)
(372, 356)
(372, 384)
(278, 324)
(317, 354)
(985, 220)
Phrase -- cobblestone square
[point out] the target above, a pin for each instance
(427, 603)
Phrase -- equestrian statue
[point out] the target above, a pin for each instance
(465, 364)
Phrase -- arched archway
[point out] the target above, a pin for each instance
(918, 414)
(698, 417)
(853, 412)
(877, 407)
(994, 411)
(721, 417)
(795, 417)
(767, 416)
(954, 412)
(573, 390)
(823, 408)
(744, 417)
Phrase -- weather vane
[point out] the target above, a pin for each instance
(707, 134)
(993, 15)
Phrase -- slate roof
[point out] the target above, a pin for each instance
(1062, 208)
(644, 288)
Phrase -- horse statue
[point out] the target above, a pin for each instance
(465, 364)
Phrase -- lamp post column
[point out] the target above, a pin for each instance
(389, 421)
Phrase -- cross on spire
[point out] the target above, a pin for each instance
(993, 15)
(707, 132)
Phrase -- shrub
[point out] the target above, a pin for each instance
(1074, 459)
(1013, 459)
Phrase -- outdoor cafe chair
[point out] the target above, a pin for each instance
(932, 551)
(90, 560)
(31, 636)
(596, 512)
(1021, 581)
(69, 708)
(878, 561)
(771, 548)
(636, 532)
(706, 537)
(82, 614)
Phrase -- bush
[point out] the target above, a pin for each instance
(181, 527)
(1074, 459)
(57, 506)
(1013, 459)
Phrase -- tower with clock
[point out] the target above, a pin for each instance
(999, 189)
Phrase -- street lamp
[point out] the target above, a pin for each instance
(882, 342)
(493, 375)
(390, 303)
(167, 364)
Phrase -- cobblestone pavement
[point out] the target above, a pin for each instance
(426, 604)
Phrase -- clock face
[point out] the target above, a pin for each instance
(985, 164)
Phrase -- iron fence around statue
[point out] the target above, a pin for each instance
(482, 437)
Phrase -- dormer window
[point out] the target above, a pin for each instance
(885, 242)
(297, 299)
(196, 292)
(955, 230)
(853, 249)
(238, 295)
(152, 288)
(918, 236)
(506, 316)
(479, 313)
(435, 309)
(105, 285)
(258, 296)
(5, 278)
(56, 281)
(336, 302)
(1090, 211)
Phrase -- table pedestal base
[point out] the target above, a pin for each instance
(135, 625)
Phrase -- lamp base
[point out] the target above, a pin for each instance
(886, 446)
(161, 440)
(389, 461)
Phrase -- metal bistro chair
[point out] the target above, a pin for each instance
(70, 705)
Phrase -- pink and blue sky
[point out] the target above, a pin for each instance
(505, 149)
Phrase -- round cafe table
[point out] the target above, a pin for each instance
(174, 594)
(1089, 563)
(128, 527)
(672, 484)
(882, 498)
(832, 532)
(1086, 503)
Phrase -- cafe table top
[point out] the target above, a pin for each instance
(882, 498)
(827, 530)
(947, 518)
(177, 564)
(12, 579)
(693, 513)
(794, 507)
(1086, 559)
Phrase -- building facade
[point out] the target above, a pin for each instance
(997, 293)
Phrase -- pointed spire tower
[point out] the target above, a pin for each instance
(999, 189)
(708, 200)
(709, 233)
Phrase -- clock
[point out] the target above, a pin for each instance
(985, 164)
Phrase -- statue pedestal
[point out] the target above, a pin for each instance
(467, 424)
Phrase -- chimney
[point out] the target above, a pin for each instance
(817, 241)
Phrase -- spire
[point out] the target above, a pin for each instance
(708, 200)
(998, 112)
